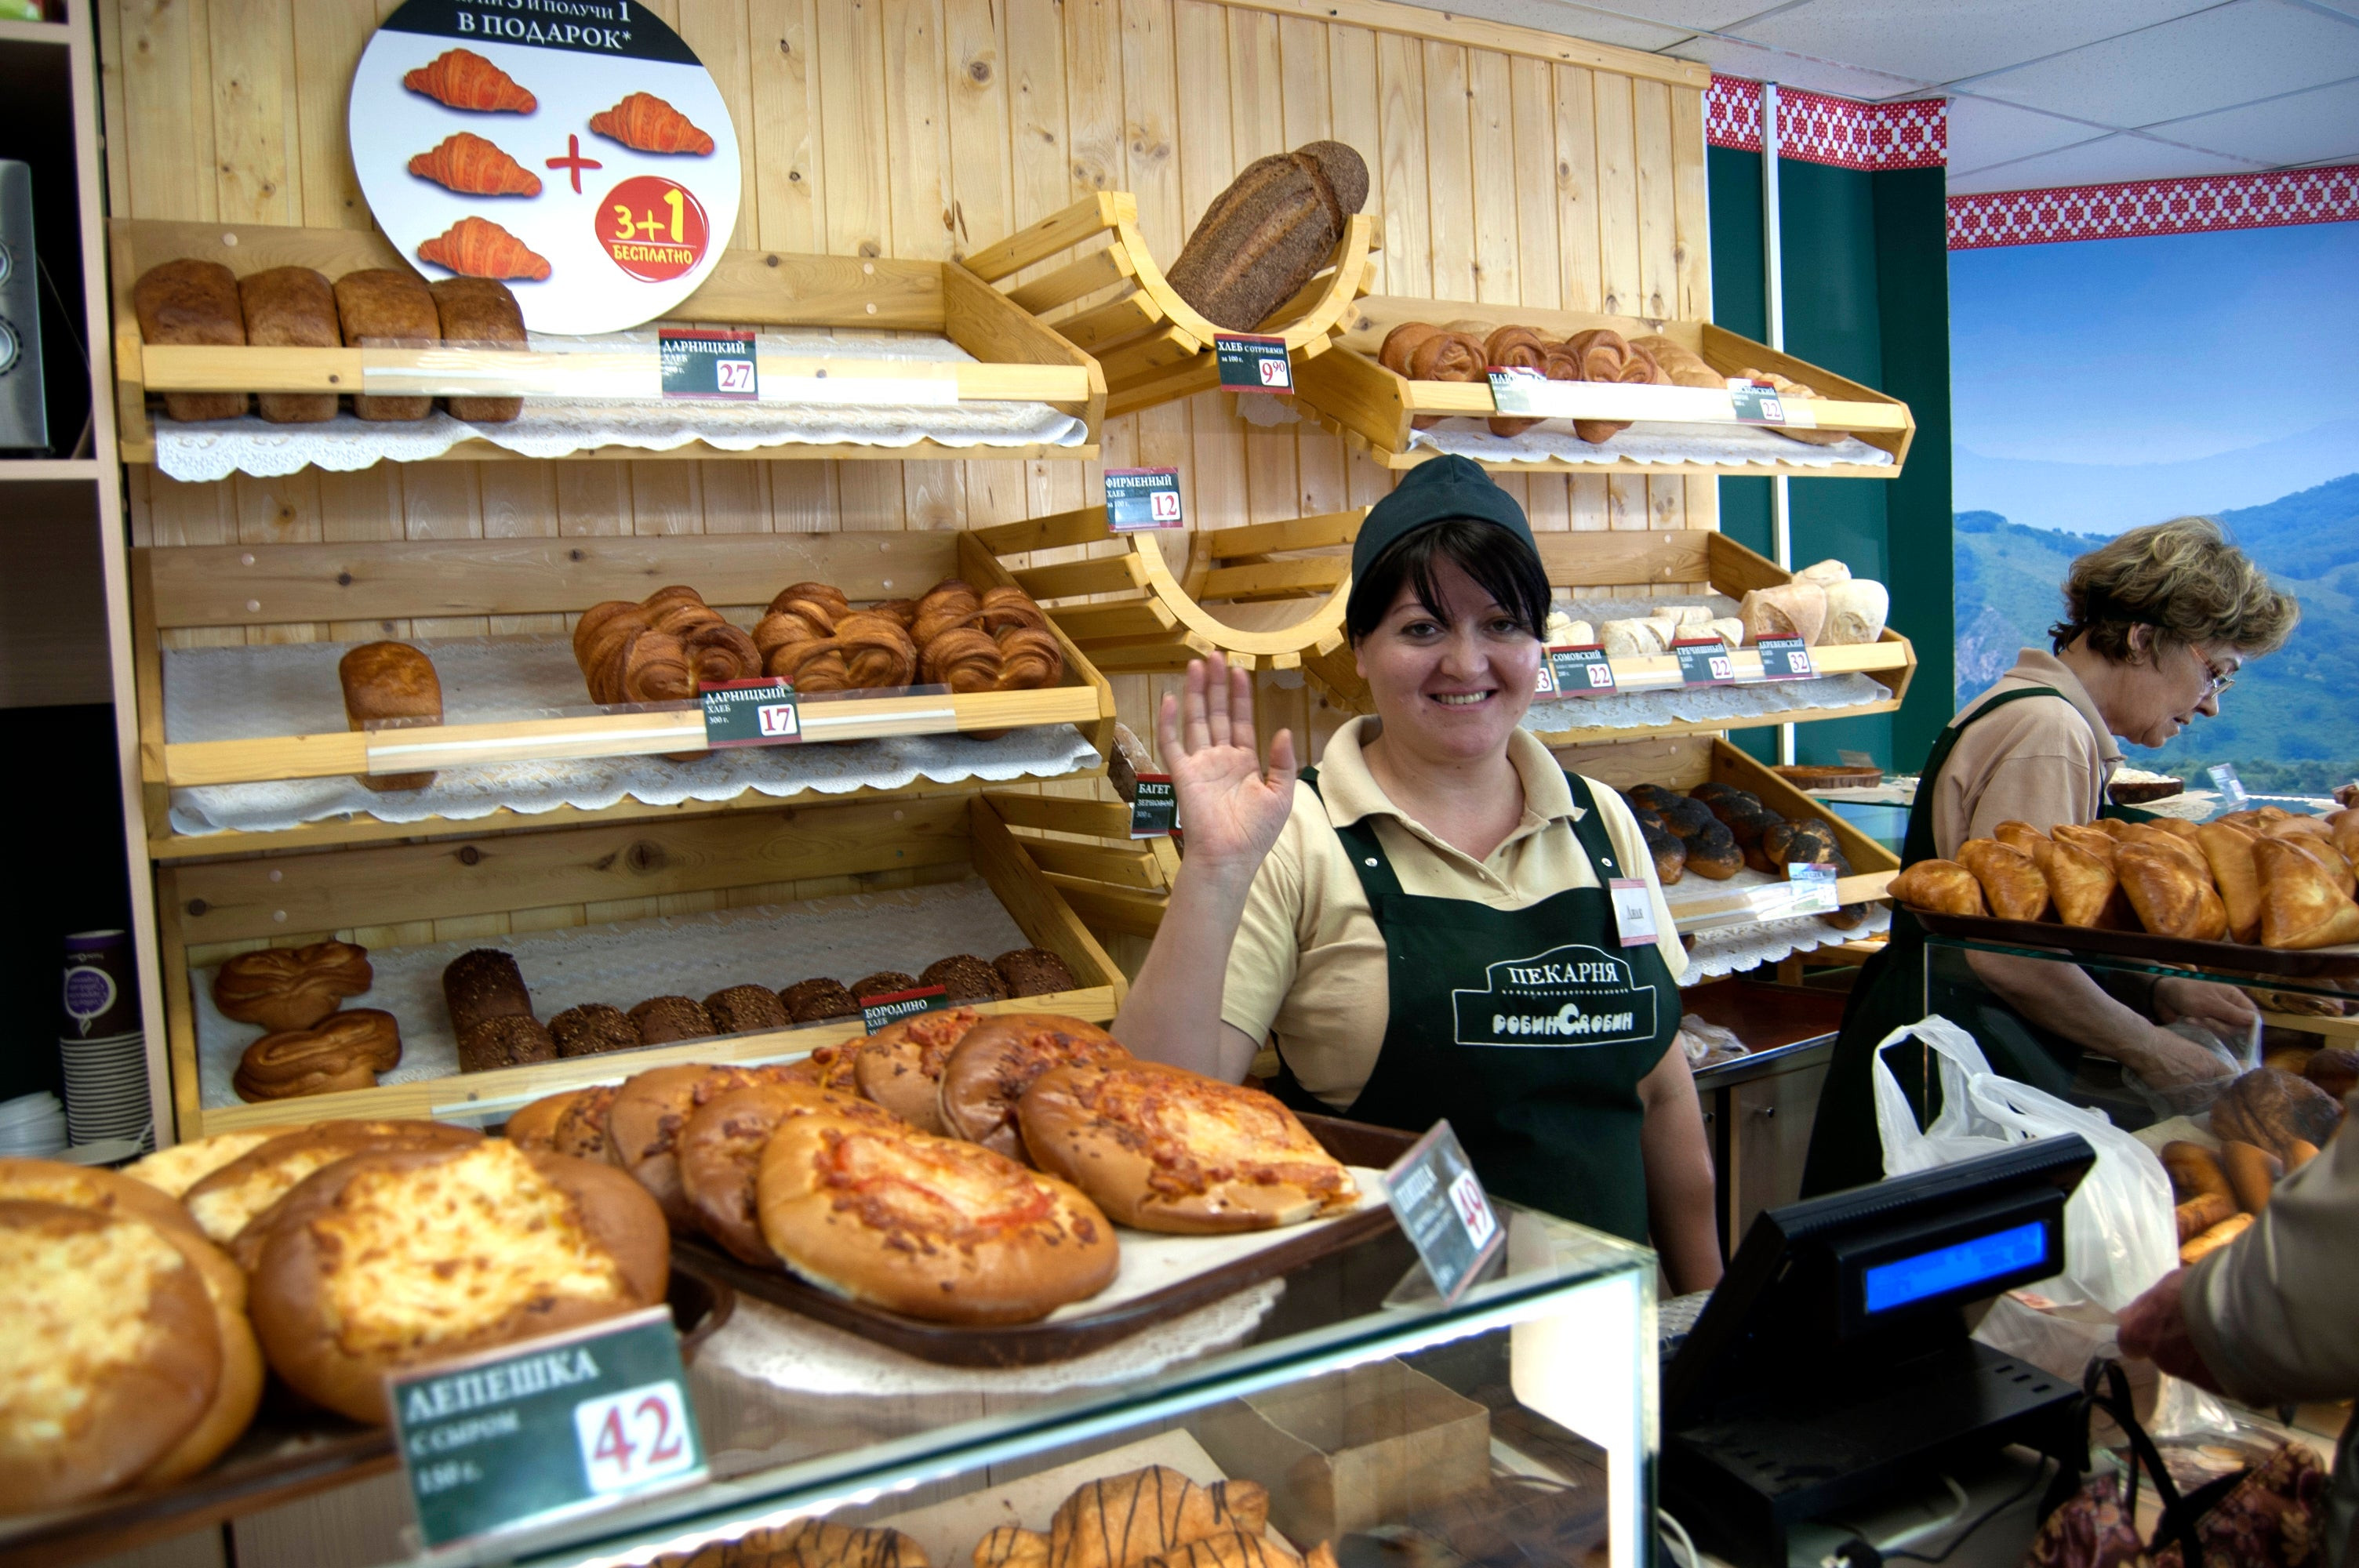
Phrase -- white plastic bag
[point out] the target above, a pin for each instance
(2119, 1234)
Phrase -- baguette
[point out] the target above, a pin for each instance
(2197, 1215)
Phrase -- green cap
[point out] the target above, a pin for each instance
(1436, 492)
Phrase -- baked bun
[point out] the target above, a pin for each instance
(720, 1155)
(1682, 816)
(2171, 899)
(533, 1127)
(2301, 907)
(239, 1392)
(819, 999)
(229, 1199)
(830, 1067)
(2082, 886)
(900, 1066)
(111, 1355)
(484, 983)
(1729, 802)
(175, 1170)
(511, 1040)
(1798, 842)
(343, 1051)
(884, 982)
(1944, 887)
(1669, 853)
(746, 1010)
(643, 1124)
(2012, 885)
(664, 1018)
(1164, 1150)
(1713, 852)
(95, 1188)
(931, 1228)
(964, 977)
(387, 1260)
(593, 1029)
(1034, 971)
(290, 987)
(581, 1126)
(999, 1060)
(1143, 1515)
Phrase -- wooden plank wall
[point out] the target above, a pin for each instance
(923, 128)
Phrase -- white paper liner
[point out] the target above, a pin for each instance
(1667, 445)
(1728, 949)
(290, 689)
(1701, 704)
(554, 427)
(622, 965)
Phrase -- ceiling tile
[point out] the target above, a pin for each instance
(1983, 133)
(2104, 161)
(1693, 15)
(1599, 27)
(1733, 59)
(2319, 126)
(2230, 54)
(1943, 43)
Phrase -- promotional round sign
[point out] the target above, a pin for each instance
(575, 150)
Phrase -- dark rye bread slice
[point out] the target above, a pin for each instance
(1269, 233)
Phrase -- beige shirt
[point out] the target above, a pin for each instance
(1309, 966)
(2038, 761)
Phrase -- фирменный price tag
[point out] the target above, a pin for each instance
(708, 364)
(545, 1429)
(1443, 1210)
(1704, 663)
(1757, 402)
(751, 713)
(1785, 658)
(1139, 499)
(1251, 363)
(1154, 807)
(1578, 670)
(877, 1011)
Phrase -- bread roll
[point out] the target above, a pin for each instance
(1856, 612)
(192, 303)
(1633, 639)
(1945, 887)
(2229, 852)
(343, 1051)
(643, 1126)
(533, 1127)
(1826, 573)
(1269, 233)
(1034, 971)
(2170, 899)
(2252, 1171)
(2083, 887)
(2195, 1170)
(291, 987)
(484, 983)
(593, 1028)
(819, 999)
(2197, 1215)
(2272, 1110)
(1683, 366)
(2211, 1241)
(479, 310)
(290, 307)
(2334, 1069)
(746, 1010)
(389, 680)
(511, 1040)
(1790, 610)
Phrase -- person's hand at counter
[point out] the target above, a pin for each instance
(2224, 1010)
(2154, 1328)
(2167, 1061)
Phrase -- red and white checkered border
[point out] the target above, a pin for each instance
(2201, 204)
(1816, 128)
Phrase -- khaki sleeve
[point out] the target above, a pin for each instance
(1263, 958)
(2042, 788)
(2271, 1311)
(1630, 845)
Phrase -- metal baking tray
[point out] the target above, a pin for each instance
(2225, 957)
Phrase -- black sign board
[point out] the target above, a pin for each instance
(1785, 658)
(1443, 1210)
(1756, 403)
(1704, 663)
(1253, 364)
(879, 1010)
(1582, 670)
(714, 365)
(1154, 807)
(1142, 498)
(751, 713)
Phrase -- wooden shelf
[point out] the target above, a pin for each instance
(1016, 357)
(28, 470)
(1347, 391)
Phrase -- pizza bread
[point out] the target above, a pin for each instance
(929, 1227)
(111, 1355)
(833, 1067)
(227, 1200)
(389, 1260)
(900, 1066)
(581, 1128)
(643, 1126)
(1166, 1150)
(999, 1059)
(183, 1165)
(720, 1155)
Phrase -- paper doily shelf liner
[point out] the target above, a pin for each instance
(1645, 442)
(1718, 705)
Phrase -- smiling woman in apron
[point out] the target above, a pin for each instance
(2157, 623)
(1423, 924)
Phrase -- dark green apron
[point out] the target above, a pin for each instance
(1528, 1030)
(1846, 1150)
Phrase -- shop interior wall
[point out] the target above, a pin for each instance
(1866, 276)
(926, 128)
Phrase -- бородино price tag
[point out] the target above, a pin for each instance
(537, 1432)
(879, 1010)
(751, 713)
(1704, 663)
(1139, 499)
(1154, 809)
(1581, 670)
(1251, 363)
(1443, 1210)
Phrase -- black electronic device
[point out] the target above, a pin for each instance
(24, 416)
(1833, 1365)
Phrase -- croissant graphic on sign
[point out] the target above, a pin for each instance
(465, 79)
(646, 122)
(469, 164)
(477, 247)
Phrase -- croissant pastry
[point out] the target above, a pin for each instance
(815, 665)
(1029, 657)
(1944, 887)
(646, 122)
(1005, 607)
(781, 629)
(1515, 347)
(963, 659)
(462, 78)
(653, 668)
(477, 247)
(679, 616)
(469, 164)
(822, 604)
(2301, 906)
(2229, 852)
(950, 602)
(721, 652)
(876, 651)
(1400, 343)
(2012, 885)
(596, 619)
(2171, 900)
(904, 610)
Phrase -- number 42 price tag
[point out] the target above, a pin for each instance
(636, 1437)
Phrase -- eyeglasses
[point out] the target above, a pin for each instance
(2214, 683)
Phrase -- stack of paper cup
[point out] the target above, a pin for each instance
(104, 1049)
(32, 1127)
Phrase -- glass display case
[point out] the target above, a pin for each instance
(1516, 1424)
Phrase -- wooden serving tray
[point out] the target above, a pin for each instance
(1038, 1344)
(292, 1450)
(2228, 958)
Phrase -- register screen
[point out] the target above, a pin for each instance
(1969, 1262)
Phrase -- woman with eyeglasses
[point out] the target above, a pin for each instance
(2157, 621)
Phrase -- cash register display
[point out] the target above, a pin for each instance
(1945, 1269)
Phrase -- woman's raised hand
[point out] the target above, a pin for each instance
(1231, 811)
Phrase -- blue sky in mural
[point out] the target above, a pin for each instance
(2111, 382)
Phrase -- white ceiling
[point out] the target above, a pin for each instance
(2042, 92)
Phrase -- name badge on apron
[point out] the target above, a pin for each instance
(1634, 911)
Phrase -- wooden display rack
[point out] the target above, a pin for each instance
(1132, 615)
(1019, 358)
(211, 910)
(1153, 345)
(1117, 885)
(236, 588)
(1349, 392)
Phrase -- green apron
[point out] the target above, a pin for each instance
(1846, 1150)
(1528, 1030)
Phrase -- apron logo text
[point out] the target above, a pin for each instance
(1573, 994)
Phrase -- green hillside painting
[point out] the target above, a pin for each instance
(2291, 723)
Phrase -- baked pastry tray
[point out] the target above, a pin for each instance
(290, 1451)
(2225, 957)
(1060, 1338)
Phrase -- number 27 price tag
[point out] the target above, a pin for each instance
(636, 1437)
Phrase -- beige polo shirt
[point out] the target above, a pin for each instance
(1309, 966)
(2037, 761)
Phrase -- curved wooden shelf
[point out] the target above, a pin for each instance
(1153, 345)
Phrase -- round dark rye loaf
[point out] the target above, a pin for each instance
(1269, 233)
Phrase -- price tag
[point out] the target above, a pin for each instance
(1704, 663)
(545, 1429)
(1757, 402)
(1524, 391)
(1154, 807)
(1250, 363)
(1139, 499)
(1785, 658)
(1855, 759)
(751, 713)
(2225, 780)
(1443, 1210)
(708, 364)
(1579, 670)
(1811, 888)
(879, 1010)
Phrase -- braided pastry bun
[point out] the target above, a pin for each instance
(1005, 606)
(681, 618)
(344, 1051)
(597, 620)
(822, 604)
(1029, 657)
(950, 602)
(781, 628)
(815, 664)
(651, 668)
(1401, 342)
(963, 659)
(875, 650)
(904, 610)
(1516, 348)
(721, 652)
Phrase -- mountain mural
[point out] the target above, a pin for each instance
(2292, 721)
